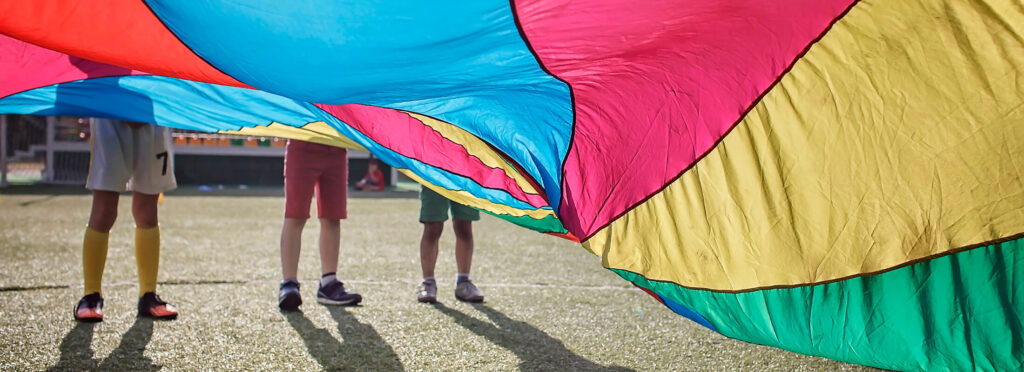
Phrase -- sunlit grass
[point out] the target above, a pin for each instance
(550, 305)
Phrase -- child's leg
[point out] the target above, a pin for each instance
(144, 210)
(109, 170)
(428, 247)
(147, 240)
(332, 207)
(463, 217)
(96, 241)
(330, 244)
(433, 213)
(147, 256)
(299, 182)
(104, 210)
(291, 244)
(463, 245)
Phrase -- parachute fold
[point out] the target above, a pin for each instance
(836, 178)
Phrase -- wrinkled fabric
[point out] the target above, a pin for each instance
(757, 166)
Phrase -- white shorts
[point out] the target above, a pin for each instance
(124, 157)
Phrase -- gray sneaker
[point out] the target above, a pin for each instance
(427, 292)
(467, 292)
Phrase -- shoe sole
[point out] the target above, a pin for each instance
(427, 300)
(74, 313)
(327, 301)
(470, 300)
(88, 320)
(154, 317)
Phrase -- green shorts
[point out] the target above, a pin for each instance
(434, 208)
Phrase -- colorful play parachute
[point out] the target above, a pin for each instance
(835, 178)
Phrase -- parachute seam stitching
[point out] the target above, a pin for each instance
(572, 106)
(169, 30)
(845, 278)
(743, 116)
(371, 140)
(70, 81)
(428, 127)
(504, 156)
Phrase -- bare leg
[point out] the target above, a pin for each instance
(144, 210)
(291, 245)
(428, 246)
(330, 244)
(104, 210)
(463, 245)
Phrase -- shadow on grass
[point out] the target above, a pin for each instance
(361, 348)
(76, 349)
(129, 353)
(37, 201)
(536, 350)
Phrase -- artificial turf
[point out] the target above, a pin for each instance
(549, 304)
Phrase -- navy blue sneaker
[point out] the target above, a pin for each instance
(288, 299)
(334, 293)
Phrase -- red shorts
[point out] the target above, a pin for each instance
(308, 167)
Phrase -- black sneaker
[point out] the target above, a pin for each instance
(288, 298)
(89, 309)
(335, 294)
(151, 306)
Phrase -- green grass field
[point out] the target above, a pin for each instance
(550, 305)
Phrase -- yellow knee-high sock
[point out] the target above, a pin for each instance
(94, 257)
(147, 257)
